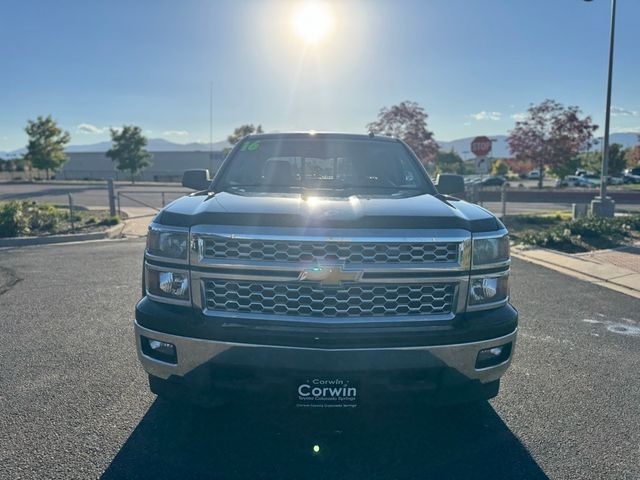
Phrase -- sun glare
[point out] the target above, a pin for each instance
(312, 21)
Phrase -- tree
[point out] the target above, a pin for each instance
(633, 156)
(449, 162)
(242, 131)
(551, 135)
(408, 122)
(499, 167)
(45, 149)
(128, 150)
(617, 160)
(568, 167)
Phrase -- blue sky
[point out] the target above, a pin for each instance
(474, 65)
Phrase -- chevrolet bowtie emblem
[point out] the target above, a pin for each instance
(330, 275)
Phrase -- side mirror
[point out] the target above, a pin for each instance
(450, 184)
(197, 179)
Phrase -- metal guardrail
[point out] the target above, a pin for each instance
(129, 195)
(476, 193)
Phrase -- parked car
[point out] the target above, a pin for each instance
(615, 180)
(471, 179)
(581, 171)
(570, 181)
(631, 175)
(324, 282)
(533, 175)
(590, 180)
(578, 181)
(493, 181)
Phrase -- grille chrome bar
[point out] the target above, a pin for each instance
(327, 252)
(429, 250)
(374, 276)
(310, 299)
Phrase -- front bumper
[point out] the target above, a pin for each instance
(203, 362)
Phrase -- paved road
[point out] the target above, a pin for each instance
(92, 196)
(74, 402)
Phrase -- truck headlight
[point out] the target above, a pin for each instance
(490, 250)
(173, 284)
(488, 291)
(167, 243)
(165, 284)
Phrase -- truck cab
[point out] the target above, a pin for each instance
(325, 270)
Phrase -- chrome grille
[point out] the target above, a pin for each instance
(311, 299)
(348, 253)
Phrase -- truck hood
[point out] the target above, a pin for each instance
(356, 211)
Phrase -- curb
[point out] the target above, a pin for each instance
(553, 261)
(113, 232)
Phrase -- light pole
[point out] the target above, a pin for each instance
(602, 205)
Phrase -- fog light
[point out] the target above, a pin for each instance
(163, 351)
(490, 357)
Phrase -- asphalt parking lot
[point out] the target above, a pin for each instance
(74, 402)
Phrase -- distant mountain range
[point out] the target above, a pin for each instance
(462, 145)
(154, 145)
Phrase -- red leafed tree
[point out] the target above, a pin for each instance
(551, 135)
(633, 156)
(408, 122)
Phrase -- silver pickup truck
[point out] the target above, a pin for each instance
(325, 271)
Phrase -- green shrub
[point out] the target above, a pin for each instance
(43, 217)
(110, 221)
(632, 222)
(13, 222)
(576, 235)
(553, 238)
(537, 219)
(91, 220)
(590, 226)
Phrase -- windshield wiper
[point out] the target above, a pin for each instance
(224, 188)
(376, 187)
(306, 190)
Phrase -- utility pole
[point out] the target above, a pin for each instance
(603, 206)
(211, 169)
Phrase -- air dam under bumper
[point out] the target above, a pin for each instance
(456, 362)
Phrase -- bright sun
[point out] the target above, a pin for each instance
(312, 21)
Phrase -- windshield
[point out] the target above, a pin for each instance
(323, 163)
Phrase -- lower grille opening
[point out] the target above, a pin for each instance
(311, 299)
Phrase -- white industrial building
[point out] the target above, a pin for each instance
(165, 166)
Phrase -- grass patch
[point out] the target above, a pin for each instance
(559, 232)
(19, 219)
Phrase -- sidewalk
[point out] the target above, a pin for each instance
(617, 269)
(138, 220)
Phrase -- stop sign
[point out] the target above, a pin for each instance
(481, 146)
